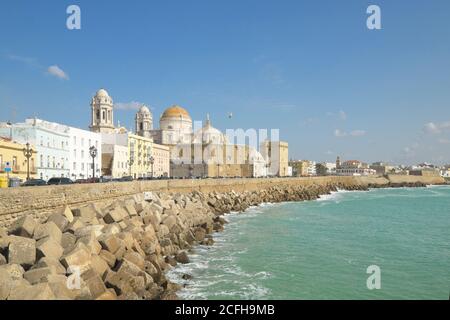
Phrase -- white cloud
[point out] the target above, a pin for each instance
(358, 133)
(339, 133)
(342, 115)
(435, 128)
(132, 105)
(355, 133)
(57, 72)
(444, 141)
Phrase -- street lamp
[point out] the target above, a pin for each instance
(93, 153)
(131, 162)
(152, 161)
(28, 153)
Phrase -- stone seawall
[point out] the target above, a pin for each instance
(41, 201)
(116, 241)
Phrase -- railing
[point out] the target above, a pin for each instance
(17, 168)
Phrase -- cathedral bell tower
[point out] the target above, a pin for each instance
(102, 118)
(144, 122)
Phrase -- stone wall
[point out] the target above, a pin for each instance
(39, 201)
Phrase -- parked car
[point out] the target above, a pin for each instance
(34, 182)
(59, 181)
(127, 178)
(79, 181)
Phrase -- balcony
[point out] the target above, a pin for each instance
(18, 169)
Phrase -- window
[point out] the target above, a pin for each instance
(89, 143)
(74, 166)
(82, 142)
(74, 153)
(41, 162)
(104, 115)
(82, 154)
(48, 161)
(82, 166)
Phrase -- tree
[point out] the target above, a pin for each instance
(321, 170)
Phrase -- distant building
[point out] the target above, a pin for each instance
(276, 154)
(445, 172)
(12, 152)
(353, 168)
(429, 172)
(382, 168)
(303, 168)
(330, 167)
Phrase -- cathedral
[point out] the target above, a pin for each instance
(205, 152)
(188, 151)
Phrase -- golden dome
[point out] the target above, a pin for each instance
(175, 111)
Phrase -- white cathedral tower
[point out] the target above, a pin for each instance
(102, 118)
(144, 122)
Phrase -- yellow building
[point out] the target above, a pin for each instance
(140, 153)
(300, 168)
(12, 152)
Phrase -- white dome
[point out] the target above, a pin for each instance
(209, 134)
(144, 109)
(102, 93)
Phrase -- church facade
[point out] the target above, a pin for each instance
(127, 153)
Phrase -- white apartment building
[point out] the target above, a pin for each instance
(115, 161)
(80, 160)
(312, 168)
(51, 141)
(331, 167)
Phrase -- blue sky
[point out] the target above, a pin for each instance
(310, 68)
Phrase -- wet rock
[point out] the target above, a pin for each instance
(186, 276)
(171, 260)
(182, 257)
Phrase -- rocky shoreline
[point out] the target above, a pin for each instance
(123, 250)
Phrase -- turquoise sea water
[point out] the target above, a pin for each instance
(321, 249)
